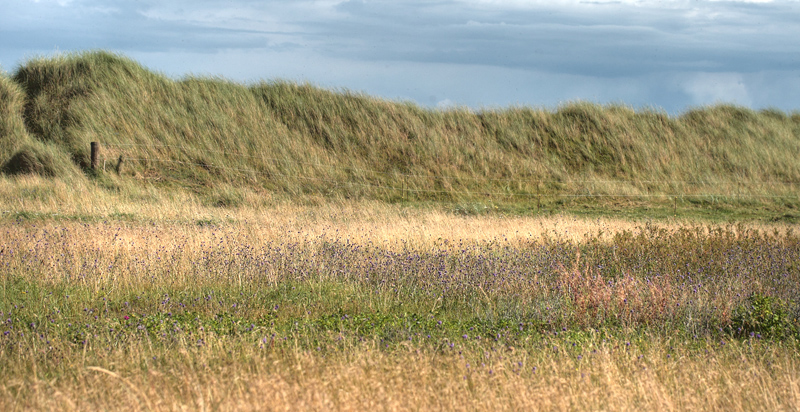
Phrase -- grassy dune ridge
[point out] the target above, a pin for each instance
(217, 138)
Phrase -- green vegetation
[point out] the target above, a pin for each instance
(216, 138)
(766, 316)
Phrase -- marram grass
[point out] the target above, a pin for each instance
(214, 137)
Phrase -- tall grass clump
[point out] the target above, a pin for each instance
(19, 152)
(12, 98)
(211, 135)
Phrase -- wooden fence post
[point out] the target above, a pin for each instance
(538, 197)
(405, 199)
(95, 152)
(119, 164)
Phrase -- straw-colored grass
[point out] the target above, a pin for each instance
(741, 378)
(34, 197)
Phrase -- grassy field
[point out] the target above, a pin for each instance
(342, 308)
(278, 246)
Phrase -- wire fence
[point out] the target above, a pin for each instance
(743, 187)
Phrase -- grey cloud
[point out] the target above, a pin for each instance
(606, 39)
(124, 26)
(672, 54)
(616, 41)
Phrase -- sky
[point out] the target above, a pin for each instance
(663, 55)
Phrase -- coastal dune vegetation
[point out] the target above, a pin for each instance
(277, 246)
(221, 141)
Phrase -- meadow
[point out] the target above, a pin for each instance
(349, 307)
(283, 247)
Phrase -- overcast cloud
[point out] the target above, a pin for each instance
(480, 53)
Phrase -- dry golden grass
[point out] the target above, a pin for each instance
(267, 218)
(365, 379)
